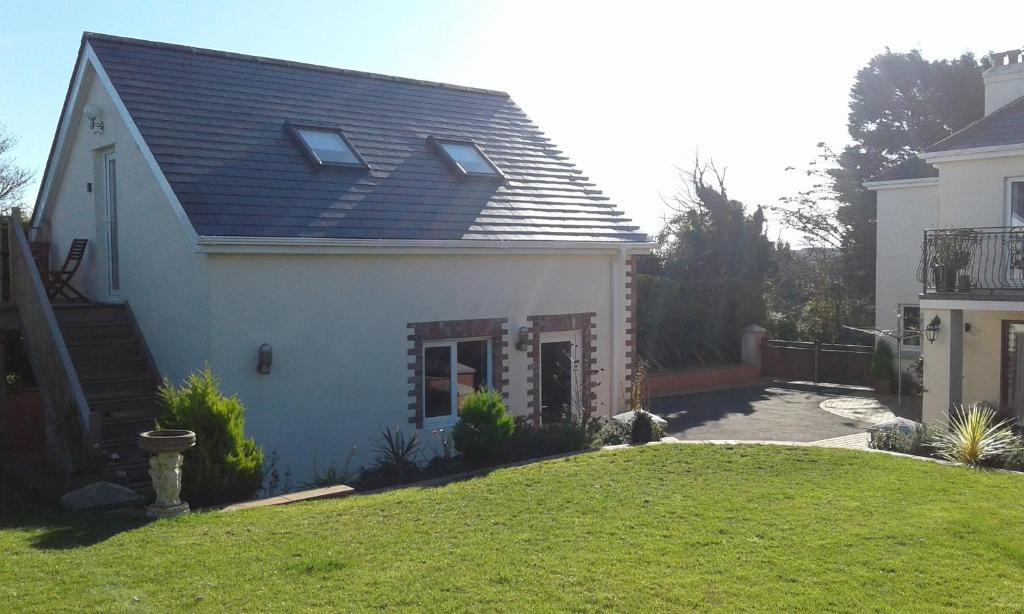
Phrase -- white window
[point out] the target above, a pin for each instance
(466, 158)
(910, 321)
(453, 369)
(1015, 201)
(327, 146)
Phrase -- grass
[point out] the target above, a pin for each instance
(656, 528)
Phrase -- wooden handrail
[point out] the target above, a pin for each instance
(49, 353)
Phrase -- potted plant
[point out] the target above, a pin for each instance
(882, 370)
(951, 254)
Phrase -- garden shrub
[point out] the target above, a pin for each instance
(643, 429)
(881, 362)
(611, 433)
(1013, 459)
(529, 441)
(918, 443)
(974, 437)
(395, 462)
(484, 427)
(224, 466)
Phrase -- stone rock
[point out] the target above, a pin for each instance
(626, 417)
(898, 425)
(100, 496)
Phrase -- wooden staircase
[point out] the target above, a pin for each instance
(119, 381)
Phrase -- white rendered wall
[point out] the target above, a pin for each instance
(162, 277)
(337, 325)
(972, 193)
(903, 215)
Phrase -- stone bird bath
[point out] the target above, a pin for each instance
(165, 469)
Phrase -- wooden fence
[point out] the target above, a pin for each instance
(817, 362)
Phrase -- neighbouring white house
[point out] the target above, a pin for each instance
(950, 259)
(347, 251)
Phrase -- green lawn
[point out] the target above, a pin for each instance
(658, 528)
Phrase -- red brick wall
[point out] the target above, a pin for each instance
(677, 382)
(631, 323)
(493, 328)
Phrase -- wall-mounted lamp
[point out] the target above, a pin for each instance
(931, 332)
(265, 360)
(523, 339)
(95, 116)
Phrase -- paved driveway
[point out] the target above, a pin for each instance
(779, 411)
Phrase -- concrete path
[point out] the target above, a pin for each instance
(861, 409)
(776, 412)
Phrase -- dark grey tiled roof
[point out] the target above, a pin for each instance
(911, 168)
(1002, 127)
(215, 123)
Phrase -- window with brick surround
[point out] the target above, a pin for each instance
(449, 359)
(452, 370)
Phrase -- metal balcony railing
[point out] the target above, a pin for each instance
(972, 260)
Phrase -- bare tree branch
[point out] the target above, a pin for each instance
(13, 178)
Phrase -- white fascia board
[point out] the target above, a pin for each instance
(89, 59)
(901, 183)
(293, 245)
(928, 302)
(973, 153)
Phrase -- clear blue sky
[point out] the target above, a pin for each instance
(630, 93)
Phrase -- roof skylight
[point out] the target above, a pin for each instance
(327, 146)
(466, 158)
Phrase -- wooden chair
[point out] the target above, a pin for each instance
(58, 283)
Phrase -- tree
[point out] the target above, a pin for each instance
(705, 281)
(13, 178)
(900, 104)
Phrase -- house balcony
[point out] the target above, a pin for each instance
(972, 263)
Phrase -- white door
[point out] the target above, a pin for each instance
(560, 383)
(113, 255)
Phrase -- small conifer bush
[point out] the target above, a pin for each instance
(224, 466)
(485, 426)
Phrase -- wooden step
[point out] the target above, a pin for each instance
(83, 314)
(96, 349)
(117, 368)
(125, 407)
(111, 388)
(98, 330)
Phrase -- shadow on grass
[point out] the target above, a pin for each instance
(54, 529)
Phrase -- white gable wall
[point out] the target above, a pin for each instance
(903, 214)
(162, 277)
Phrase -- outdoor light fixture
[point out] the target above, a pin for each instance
(523, 339)
(95, 116)
(266, 358)
(931, 332)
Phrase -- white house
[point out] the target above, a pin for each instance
(390, 243)
(951, 253)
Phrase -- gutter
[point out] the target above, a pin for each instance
(300, 245)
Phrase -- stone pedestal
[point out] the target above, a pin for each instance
(165, 469)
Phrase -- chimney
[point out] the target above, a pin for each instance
(1004, 82)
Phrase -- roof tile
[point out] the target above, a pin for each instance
(215, 123)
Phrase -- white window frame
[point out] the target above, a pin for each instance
(902, 319)
(453, 345)
(1008, 199)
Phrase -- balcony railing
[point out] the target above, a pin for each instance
(972, 260)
